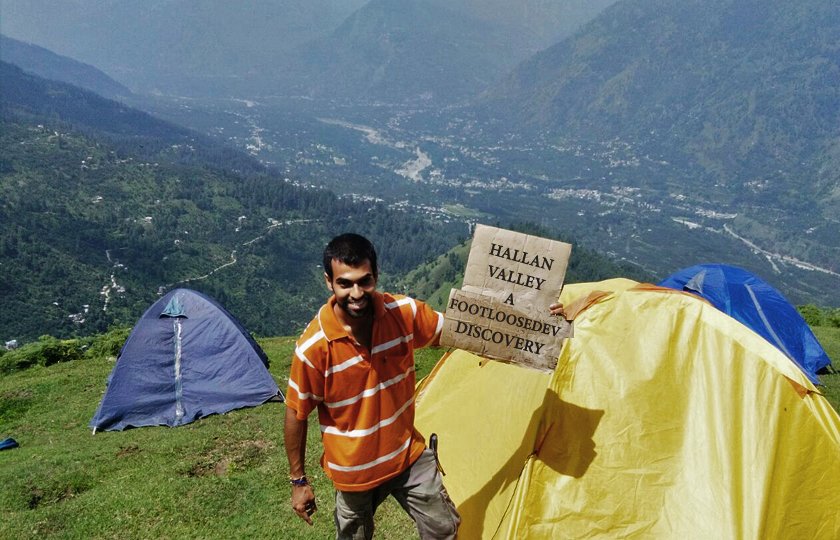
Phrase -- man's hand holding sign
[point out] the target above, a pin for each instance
(510, 280)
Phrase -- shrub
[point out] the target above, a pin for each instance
(44, 352)
(109, 343)
(52, 350)
(49, 350)
(834, 318)
(812, 314)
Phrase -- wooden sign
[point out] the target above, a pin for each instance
(502, 312)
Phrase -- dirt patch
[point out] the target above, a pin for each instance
(23, 393)
(229, 458)
(14, 404)
(54, 491)
(36, 495)
(126, 451)
(221, 468)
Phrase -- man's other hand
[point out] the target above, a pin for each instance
(303, 502)
(557, 309)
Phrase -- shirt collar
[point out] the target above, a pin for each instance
(332, 327)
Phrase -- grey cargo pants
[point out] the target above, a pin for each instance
(420, 492)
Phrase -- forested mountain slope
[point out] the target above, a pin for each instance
(732, 111)
(744, 96)
(402, 51)
(102, 208)
(428, 50)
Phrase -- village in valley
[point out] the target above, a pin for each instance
(615, 194)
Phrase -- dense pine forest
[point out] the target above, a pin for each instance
(104, 208)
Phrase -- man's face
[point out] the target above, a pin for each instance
(353, 287)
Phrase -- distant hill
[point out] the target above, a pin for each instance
(206, 48)
(744, 95)
(39, 61)
(33, 99)
(430, 50)
(533, 24)
(28, 94)
(394, 51)
(388, 50)
(434, 280)
(103, 207)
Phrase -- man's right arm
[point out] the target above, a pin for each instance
(294, 435)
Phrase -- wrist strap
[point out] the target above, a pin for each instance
(302, 481)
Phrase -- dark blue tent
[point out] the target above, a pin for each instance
(759, 306)
(185, 359)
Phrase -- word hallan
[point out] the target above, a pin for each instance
(515, 255)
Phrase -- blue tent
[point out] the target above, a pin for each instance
(185, 359)
(759, 306)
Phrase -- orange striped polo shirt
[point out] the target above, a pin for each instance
(365, 399)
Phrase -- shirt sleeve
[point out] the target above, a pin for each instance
(306, 378)
(427, 325)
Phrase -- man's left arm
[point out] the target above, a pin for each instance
(427, 325)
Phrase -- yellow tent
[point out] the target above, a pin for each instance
(665, 418)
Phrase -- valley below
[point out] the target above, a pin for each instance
(636, 201)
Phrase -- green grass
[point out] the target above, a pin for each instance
(829, 338)
(831, 389)
(220, 477)
(224, 476)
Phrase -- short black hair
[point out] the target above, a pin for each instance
(351, 249)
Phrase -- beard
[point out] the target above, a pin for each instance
(367, 307)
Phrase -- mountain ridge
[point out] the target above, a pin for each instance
(207, 48)
(714, 80)
(256, 48)
(407, 50)
(45, 63)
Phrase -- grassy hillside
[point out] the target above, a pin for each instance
(221, 477)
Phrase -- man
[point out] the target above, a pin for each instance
(355, 364)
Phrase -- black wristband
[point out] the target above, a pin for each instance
(302, 481)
